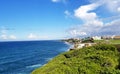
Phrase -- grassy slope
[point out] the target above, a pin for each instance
(109, 41)
(115, 41)
(99, 59)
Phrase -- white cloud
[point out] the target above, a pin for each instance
(111, 28)
(3, 30)
(91, 21)
(118, 9)
(4, 34)
(62, 1)
(92, 25)
(32, 36)
(111, 5)
(4, 37)
(12, 37)
(8, 37)
(83, 12)
(77, 31)
(67, 14)
(55, 1)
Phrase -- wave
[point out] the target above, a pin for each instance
(18, 60)
(39, 65)
(34, 66)
(15, 58)
(19, 54)
(23, 57)
(70, 45)
(48, 59)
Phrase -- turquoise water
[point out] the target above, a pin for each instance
(25, 56)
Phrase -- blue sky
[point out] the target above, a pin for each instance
(55, 19)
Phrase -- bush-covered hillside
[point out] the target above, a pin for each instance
(99, 59)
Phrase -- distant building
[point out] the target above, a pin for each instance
(116, 37)
(106, 37)
(87, 40)
(97, 38)
(85, 45)
(81, 45)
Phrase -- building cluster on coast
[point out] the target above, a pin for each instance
(88, 41)
(114, 37)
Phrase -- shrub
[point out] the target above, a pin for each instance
(98, 59)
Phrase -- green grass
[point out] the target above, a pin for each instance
(98, 59)
(108, 41)
(99, 41)
(115, 41)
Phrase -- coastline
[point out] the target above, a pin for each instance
(66, 63)
(66, 50)
(33, 54)
(70, 45)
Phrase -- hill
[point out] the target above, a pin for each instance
(98, 59)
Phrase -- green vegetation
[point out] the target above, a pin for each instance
(87, 40)
(98, 59)
(108, 41)
(72, 41)
(115, 41)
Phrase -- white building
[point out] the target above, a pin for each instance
(97, 38)
(81, 45)
(85, 45)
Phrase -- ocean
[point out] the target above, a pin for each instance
(22, 57)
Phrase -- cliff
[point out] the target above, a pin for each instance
(98, 59)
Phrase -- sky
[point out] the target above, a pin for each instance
(58, 19)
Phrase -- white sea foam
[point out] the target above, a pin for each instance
(48, 59)
(70, 45)
(34, 66)
(21, 73)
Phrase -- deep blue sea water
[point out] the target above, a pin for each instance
(24, 56)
